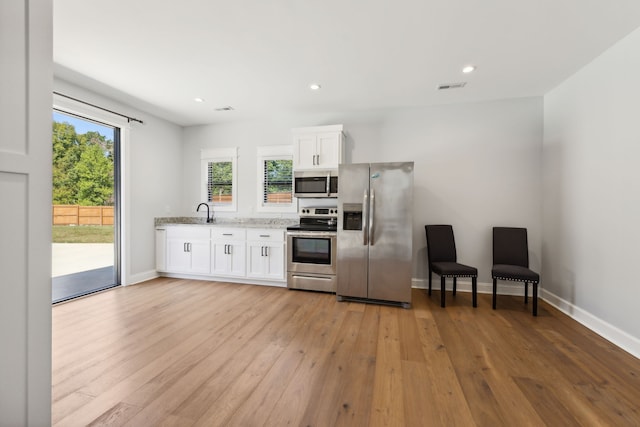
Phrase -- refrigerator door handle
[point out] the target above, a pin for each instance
(365, 208)
(372, 208)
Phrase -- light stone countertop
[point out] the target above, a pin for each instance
(229, 222)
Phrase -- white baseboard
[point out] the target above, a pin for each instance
(242, 280)
(607, 331)
(141, 277)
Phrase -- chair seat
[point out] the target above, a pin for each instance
(514, 272)
(453, 269)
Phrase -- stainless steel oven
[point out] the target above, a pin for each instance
(311, 251)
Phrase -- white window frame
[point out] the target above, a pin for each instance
(220, 155)
(273, 152)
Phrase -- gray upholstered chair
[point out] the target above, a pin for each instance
(441, 250)
(511, 262)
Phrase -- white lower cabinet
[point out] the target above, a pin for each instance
(188, 250)
(252, 254)
(228, 254)
(266, 254)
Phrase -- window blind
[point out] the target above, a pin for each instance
(278, 178)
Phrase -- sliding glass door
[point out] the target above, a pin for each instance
(85, 199)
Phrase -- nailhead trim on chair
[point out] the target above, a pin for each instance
(457, 275)
(514, 280)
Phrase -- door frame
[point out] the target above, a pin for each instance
(121, 158)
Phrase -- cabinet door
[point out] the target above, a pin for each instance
(178, 259)
(265, 260)
(219, 260)
(304, 151)
(228, 259)
(161, 249)
(274, 268)
(237, 259)
(200, 256)
(329, 150)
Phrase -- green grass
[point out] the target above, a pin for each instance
(83, 234)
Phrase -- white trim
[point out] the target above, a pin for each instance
(606, 330)
(273, 152)
(143, 277)
(239, 280)
(220, 155)
(86, 111)
(318, 129)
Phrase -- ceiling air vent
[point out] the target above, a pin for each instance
(451, 86)
(227, 108)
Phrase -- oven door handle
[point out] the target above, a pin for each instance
(311, 233)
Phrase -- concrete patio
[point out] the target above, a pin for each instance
(80, 268)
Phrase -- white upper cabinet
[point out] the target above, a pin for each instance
(319, 147)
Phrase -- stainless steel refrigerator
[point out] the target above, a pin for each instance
(375, 222)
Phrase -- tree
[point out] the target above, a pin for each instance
(94, 174)
(82, 167)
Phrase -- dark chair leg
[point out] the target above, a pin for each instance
(474, 291)
(526, 292)
(455, 283)
(535, 298)
(495, 291)
(442, 279)
(429, 282)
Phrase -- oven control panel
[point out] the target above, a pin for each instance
(319, 212)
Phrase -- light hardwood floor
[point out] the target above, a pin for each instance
(184, 352)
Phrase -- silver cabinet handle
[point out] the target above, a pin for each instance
(189, 246)
(266, 251)
(265, 235)
(318, 161)
(227, 234)
(229, 250)
(261, 250)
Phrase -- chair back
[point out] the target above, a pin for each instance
(441, 245)
(510, 246)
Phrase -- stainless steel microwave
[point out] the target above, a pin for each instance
(315, 183)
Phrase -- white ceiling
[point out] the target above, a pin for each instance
(259, 56)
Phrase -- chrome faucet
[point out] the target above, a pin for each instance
(209, 219)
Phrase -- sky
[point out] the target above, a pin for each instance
(83, 126)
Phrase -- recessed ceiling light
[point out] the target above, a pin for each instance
(468, 69)
(198, 99)
(314, 86)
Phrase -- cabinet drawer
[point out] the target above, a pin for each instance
(188, 232)
(228, 234)
(265, 235)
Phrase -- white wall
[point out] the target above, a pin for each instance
(152, 177)
(476, 166)
(25, 220)
(591, 205)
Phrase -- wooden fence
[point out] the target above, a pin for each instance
(82, 215)
(271, 198)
